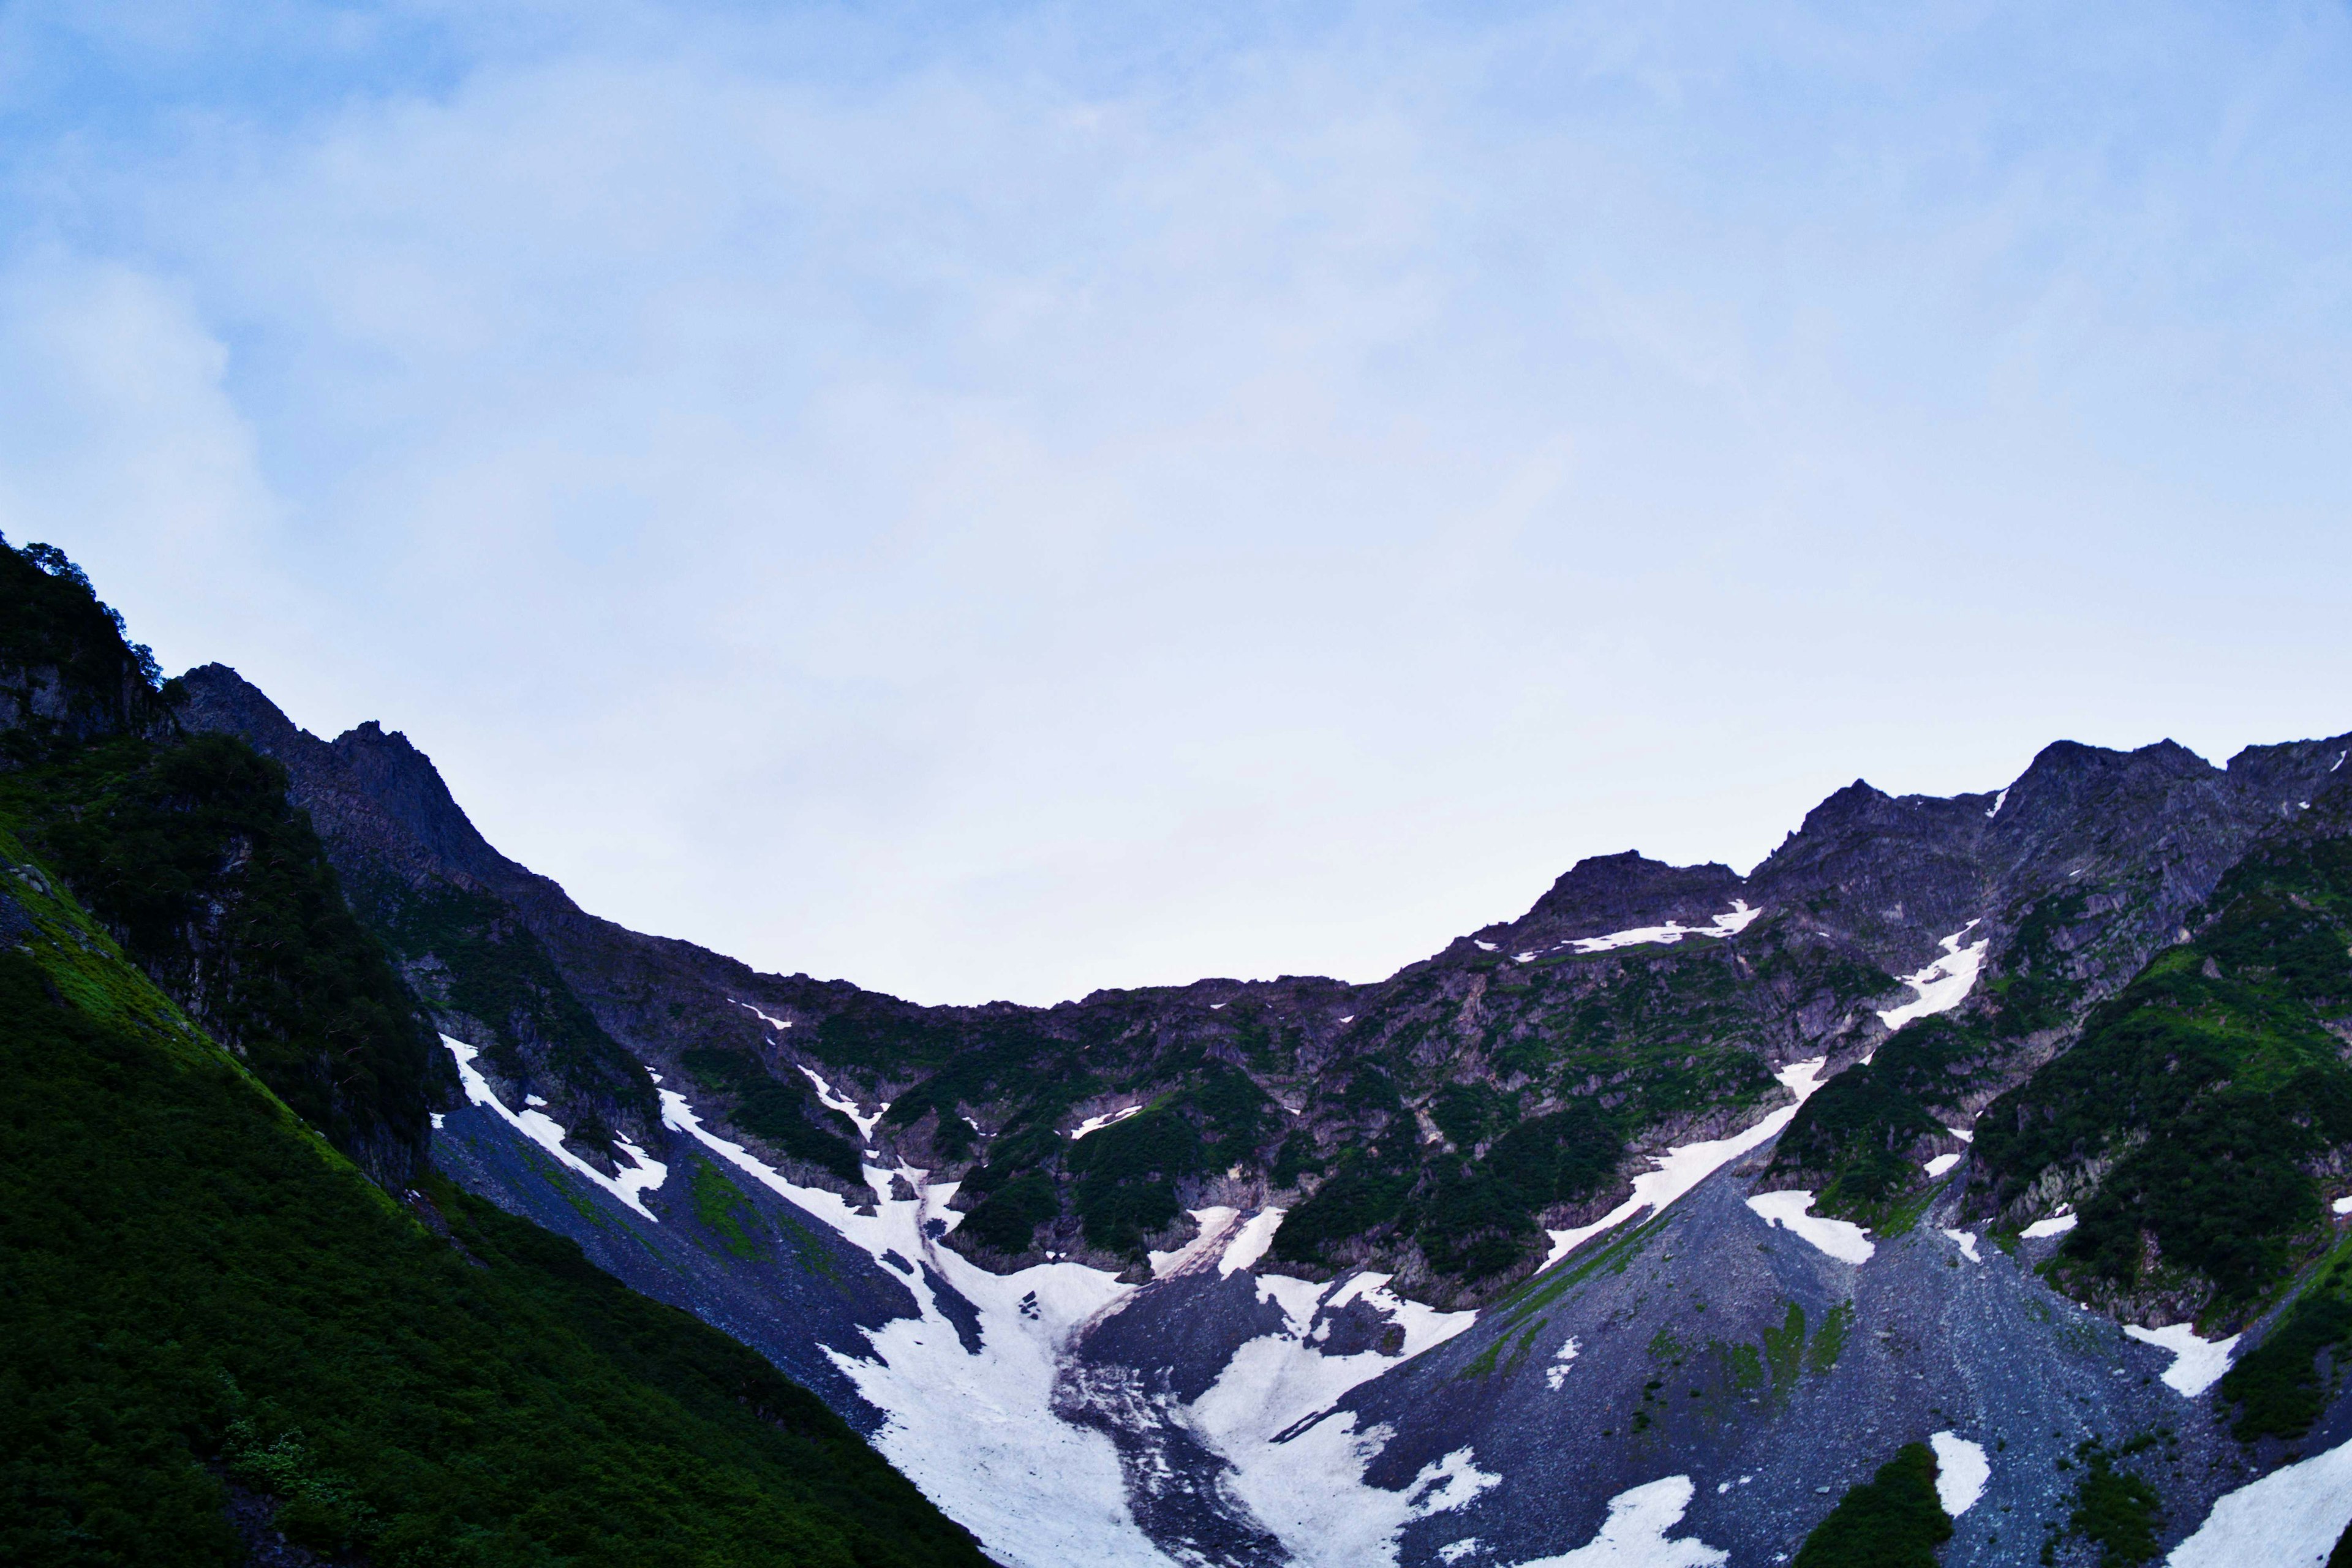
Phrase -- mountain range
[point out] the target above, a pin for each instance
(1966, 1184)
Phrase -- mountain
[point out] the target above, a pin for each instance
(1959, 1185)
(242, 1317)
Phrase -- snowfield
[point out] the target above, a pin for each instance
(1841, 1239)
(1634, 1533)
(1731, 922)
(1943, 984)
(1961, 1472)
(2196, 1364)
(975, 1428)
(2289, 1518)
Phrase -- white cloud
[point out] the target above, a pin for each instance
(1012, 504)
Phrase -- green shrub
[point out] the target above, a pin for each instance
(1892, 1521)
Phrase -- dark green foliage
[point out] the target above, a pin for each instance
(1892, 1521)
(1006, 1221)
(878, 1035)
(499, 972)
(1475, 1219)
(2218, 1044)
(782, 1112)
(1856, 1134)
(1297, 1157)
(53, 628)
(2035, 991)
(190, 1277)
(218, 889)
(2278, 1385)
(1467, 1112)
(1128, 1173)
(1367, 1190)
(2113, 1510)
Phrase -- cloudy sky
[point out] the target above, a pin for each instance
(1000, 500)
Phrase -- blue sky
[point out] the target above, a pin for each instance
(995, 501)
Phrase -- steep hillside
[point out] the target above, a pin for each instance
(217, 1336)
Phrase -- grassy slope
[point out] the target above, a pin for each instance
(194, 1278)
(2213, 1084)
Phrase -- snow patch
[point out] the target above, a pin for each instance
(772, 1023)
(1998, 802)
(1940, 1164)
(1482, 946)
(1097, 1123)
(1967, 1239)
(2196, 1364)
(1685, 1166)
(1216, 1223)
(1249, 1242)
(1455, 1550)
(1522, 958)
(2289, 1518)
(1961, 1472)
(1303, 1476)
(846, 1106)
(1557, 1373)
(2057, 1225)
(2342, 1205)
(437, 1119)
(1731, 922)
(1841, 1239)
(1634, 1533)
(547, 1134)
(1943, 984)
(975, 1431)
(1964, 1134)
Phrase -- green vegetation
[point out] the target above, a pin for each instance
(2278, 1385)
(782, 1112)
(194, 1279)
(2114, 1510)
(723, 1210)
(2220, 1043)
(1127, 1173)
(53, 628)
(1006, 1221)
(1892, 1521)
(496, 970)
(187, 852)
(1857, 1137)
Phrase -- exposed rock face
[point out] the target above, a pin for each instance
(1236, 1231)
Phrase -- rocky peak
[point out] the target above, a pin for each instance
(1605, 893)
(405, 787)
